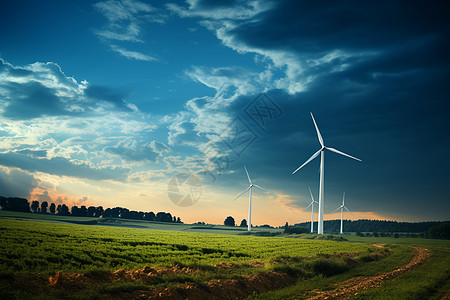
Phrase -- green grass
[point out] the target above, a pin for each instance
(113, 222)
(29, 247)
(37, 247)
(428, 281)
(49, 247)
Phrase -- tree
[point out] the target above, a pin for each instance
(229, 221)
(64, 210)
(163, 217)
(58, 209)
(98, 212)
(34, 206)
(83, 211)
(179, 220)
(243, 223)
(15, 204)
(441, 231)
(107, 213)
(91, 211)
(52, 208)
(44, 206)
(3, 202)
(149, 216)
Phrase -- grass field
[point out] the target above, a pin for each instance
(32, 251)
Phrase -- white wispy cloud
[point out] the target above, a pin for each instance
(50, 120)
(132, 54)
(125, 24)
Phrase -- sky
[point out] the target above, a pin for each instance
(138, 103)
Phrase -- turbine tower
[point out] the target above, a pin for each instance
(321, 151)
(312, 209)
(250, 187)
(342, 213)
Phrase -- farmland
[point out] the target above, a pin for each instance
(54, 259)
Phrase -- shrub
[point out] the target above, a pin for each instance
(295, 229)
(328, 267)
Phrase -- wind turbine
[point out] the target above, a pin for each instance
(342, 212)
(312, 209)
(250, 188)
(321, 151)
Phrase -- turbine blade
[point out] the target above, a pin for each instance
(248, 176)
(317, 130)
(310, 159)
(336, 209)
(342, 153)
(349, 212)
(255, 185)
(343, 199)
(242, 193)
(307, 206)
(312, 198)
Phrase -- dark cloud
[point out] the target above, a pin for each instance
(101, 93)
(316, 27)
(15, 183)
(42, 89)
(60, 166)
(32, 100)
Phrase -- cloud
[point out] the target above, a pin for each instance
(125, 22)
(124, 19)
(61, 166)
(285, 202)
(220, 10)
(132, 54)
(131, 150)
(42, 89)
(16, 183)
(308, 40)
(101, 93)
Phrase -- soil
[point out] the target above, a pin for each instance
(353, 286)
(236, 288)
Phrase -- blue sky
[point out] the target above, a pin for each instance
(102, 103)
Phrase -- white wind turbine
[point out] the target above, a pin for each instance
(312, 209)
(250, 187)
(321, 151)
(342, 207)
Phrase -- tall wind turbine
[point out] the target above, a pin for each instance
(312, 209)
(250, 187)
(342, 207)
(321, 151)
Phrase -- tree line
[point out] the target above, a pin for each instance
(432, 229)
(23, 205)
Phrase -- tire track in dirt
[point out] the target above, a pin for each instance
(355, 285)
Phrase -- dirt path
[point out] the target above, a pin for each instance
(357, 284)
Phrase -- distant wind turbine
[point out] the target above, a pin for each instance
(312, 209)
(321, 151)
(250, 187)
(342, 207)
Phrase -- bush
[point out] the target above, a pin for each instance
(295, 229)
(328, 267)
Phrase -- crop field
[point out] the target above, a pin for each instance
(52, 260)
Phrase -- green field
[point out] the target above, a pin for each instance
(32, 251)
